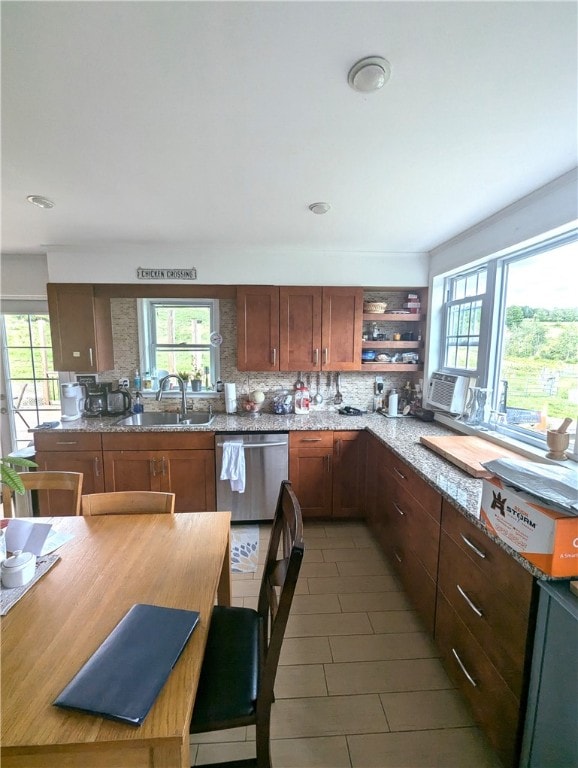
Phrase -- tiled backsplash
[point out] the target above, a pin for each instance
(357, 387)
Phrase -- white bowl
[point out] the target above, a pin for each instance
(18, 569)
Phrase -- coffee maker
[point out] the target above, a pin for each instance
(71, 401)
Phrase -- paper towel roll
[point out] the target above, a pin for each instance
(230, 398)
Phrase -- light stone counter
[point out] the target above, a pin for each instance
(402, 436)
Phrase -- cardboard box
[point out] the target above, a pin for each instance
(544, 535)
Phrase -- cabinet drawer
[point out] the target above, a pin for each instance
(420, 588)
(493, 704)
(427, 496)
(67, 441)
(310, 439)
(500, 628)
(499, 568)
(157, 441)
(419, 531)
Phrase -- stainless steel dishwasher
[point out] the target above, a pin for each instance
(266, 465)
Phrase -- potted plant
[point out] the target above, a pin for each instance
(184, 375)
(197, 380)
(9, 475)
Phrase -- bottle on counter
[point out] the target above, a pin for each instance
(137, 406)
(147, 381)
(137, 380)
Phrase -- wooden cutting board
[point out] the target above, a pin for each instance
(468, 452)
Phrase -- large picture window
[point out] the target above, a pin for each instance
(175, 337)
(512, 325)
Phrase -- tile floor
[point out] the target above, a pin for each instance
(360, 684)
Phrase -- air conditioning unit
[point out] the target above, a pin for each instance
(447, 392)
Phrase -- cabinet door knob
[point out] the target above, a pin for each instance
(96, 466)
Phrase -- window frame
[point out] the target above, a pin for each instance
(148, 345)
(492, 322)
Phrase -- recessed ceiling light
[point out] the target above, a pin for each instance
(41, 202)
(369, 74)
(319, 208)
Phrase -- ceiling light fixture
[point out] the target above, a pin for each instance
(41, 202)
(319, 208)
(369, 74)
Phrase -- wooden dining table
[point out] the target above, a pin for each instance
(112, 563)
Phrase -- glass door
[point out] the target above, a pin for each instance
(30, 392)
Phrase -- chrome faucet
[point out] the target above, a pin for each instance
(182, 389)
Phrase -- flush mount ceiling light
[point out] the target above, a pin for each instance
(319, 208)
(41, 202)
(369, 74)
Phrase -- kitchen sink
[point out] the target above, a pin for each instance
(161, 419)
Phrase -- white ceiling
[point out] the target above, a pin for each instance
(218, 123)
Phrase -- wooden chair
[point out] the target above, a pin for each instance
(243, 646)
(128, 503)
(47, 481)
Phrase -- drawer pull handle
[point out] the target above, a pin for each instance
(478, 552)
(310, 440)
(274, 356)
(401, 512)
(396, 470)
(66, 442)
(474, 608)
(325, 355)
(397, 557)
(96, 466)
(316, 357)
(464, 670)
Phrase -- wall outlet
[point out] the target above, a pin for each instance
(124, 382)
(378, 388)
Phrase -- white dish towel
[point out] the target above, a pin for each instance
(233, 467)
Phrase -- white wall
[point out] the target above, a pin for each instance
(118, 264)
(23, 277)
(545, 209)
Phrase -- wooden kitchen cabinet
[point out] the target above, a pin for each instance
(348, 474)
(484, 626)
(327, 471)
(404, 514)
(311, 471)
(68, 452)
(182, 464)
(257, 328)
(299, 328)
(81, 328)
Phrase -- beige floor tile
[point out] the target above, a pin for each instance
(213, 737)
(318, 569)
(352, 553)
(219, 753)
(450, 748)
(250, 601)
(315, 604)
(395, 621)
(424, 710)
(242, 576)
(328, 624)
(305, 650)
(348, 584)
(320, 752)
(402, 645)
(331, 542)
(383, 676)
(369, 567)
(327, 716)
(347, 528)
(374, 601)
(313, 555)
(298, 681)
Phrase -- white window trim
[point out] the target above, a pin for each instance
(145, 341)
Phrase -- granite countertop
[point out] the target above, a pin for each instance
(402, 436)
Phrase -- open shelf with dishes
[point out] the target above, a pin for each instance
(393, 324)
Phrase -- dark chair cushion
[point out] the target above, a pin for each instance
(229, 679)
